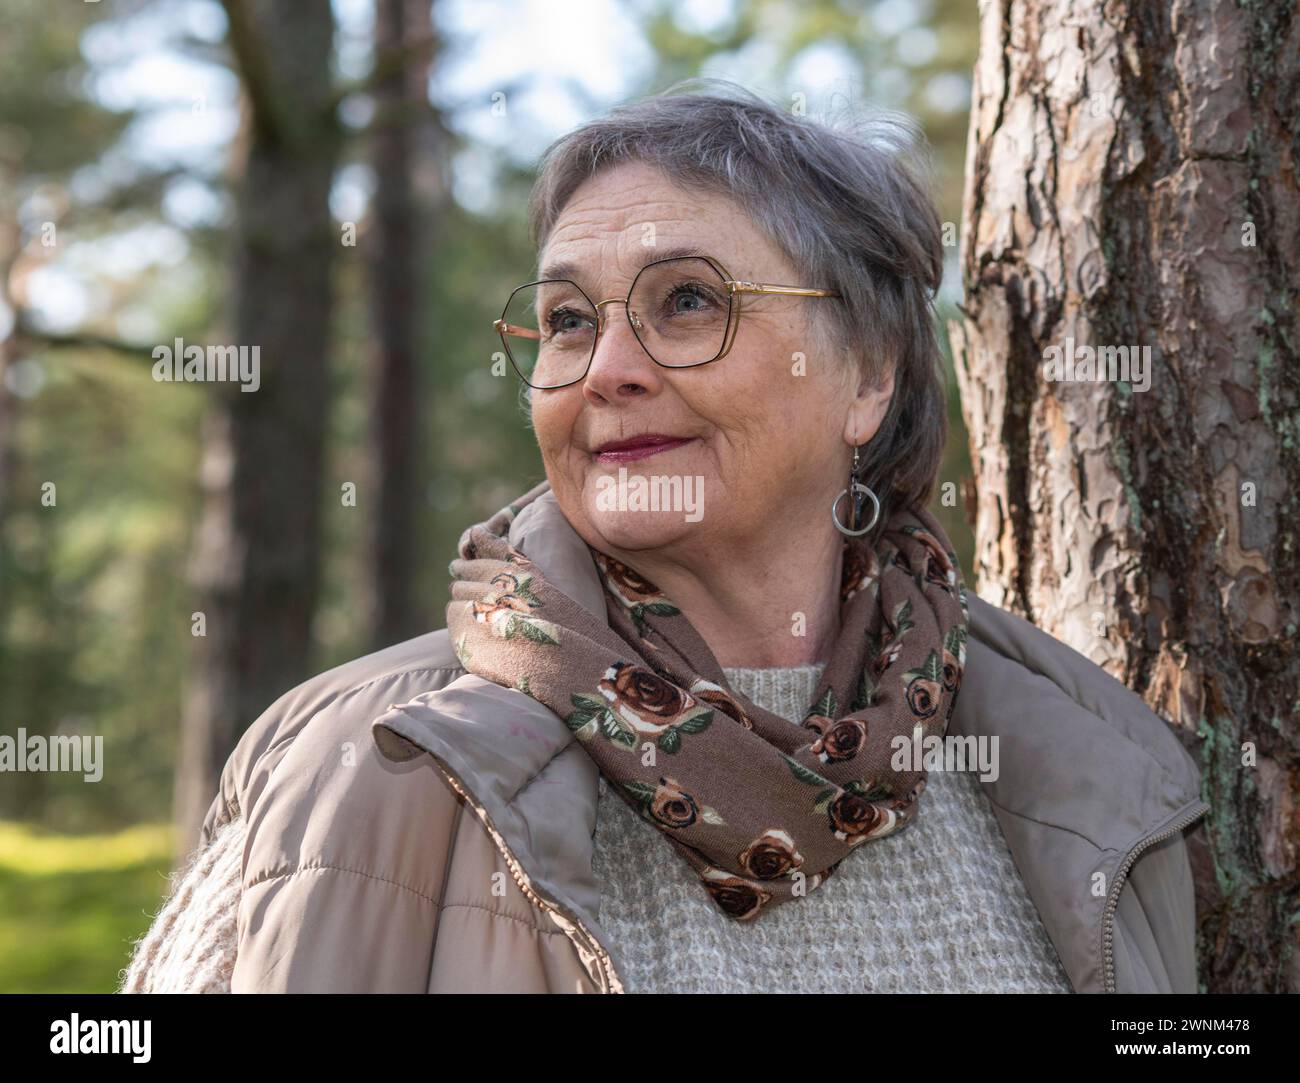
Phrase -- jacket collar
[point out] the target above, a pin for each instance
(1088, 775)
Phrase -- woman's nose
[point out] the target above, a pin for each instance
(619, 359)
(618, 333)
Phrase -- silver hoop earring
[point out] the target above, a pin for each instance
(854, 489)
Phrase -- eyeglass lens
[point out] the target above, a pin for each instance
(679, 310)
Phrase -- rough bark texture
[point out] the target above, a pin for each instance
(1117, 154)
(257, 556)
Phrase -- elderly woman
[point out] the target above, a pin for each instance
(692, 723)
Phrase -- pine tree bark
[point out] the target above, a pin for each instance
(256, 563)
(1132, 181)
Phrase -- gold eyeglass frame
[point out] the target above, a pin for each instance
(735, 287)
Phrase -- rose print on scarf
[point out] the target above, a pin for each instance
(912, 797)
(839, 740)
(884, 655)
(940, 565)
(716, 696)
(738, 898)
(669, 805)
(923, 686)
(770, 855)
(861, 570)
(586, 719)
(835, 740)
(636, 703)
(854, 819)
(857, 811)
(634, 591)
(506, 610)
(638, 677)
(885, 647)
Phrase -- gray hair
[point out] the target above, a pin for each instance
(850, 210)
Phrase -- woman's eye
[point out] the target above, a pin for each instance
(688, 299)
(562, 320)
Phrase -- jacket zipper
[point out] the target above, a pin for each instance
(587, 946)
(1112, 900)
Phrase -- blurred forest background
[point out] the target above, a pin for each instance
(148, 150)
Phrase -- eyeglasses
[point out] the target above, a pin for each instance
(683, 310)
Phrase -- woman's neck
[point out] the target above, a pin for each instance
(762, 606)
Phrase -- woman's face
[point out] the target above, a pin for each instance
(766, 439)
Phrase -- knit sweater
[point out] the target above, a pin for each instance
(190, 944)
(938, 907)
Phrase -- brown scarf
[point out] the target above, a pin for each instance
(763, 810)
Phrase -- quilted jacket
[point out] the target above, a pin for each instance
(412, 827)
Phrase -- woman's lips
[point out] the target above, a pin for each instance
(640, 451)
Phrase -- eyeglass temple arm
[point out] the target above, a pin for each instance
(511, 329)
(738, 286)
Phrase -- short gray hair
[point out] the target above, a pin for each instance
(851, 211)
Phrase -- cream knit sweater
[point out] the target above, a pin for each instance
(936, 908)
(190, 945)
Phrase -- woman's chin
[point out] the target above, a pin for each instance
(631, 510)
(632, 530)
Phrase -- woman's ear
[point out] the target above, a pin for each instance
(870, 405)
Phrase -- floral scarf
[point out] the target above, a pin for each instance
(763, 810)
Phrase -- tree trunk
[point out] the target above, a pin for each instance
(394, 244)
(257, 556)
(1132, 181)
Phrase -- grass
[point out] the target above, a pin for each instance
(71, 905)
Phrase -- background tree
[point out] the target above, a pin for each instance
(62, 397)
(407, 142)
(153, 134)
(1131, 181)
(257, 559)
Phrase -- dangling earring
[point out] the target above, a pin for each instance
(853, 491)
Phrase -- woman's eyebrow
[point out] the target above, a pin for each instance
(570, 270)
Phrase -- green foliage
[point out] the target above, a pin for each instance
(45, 118)
(97, 617)
(94, 600)
(71, 906)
